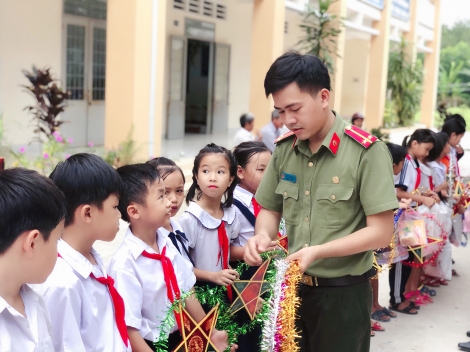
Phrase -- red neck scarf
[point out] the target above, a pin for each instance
(223, 252)
(418, 178)
(256, 206)
(172, 288)
(118, 303)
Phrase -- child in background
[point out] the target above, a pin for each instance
(146, 265)
(86, 310)
(210, 224)
(174, 181)
(32, 210)
(440, 150)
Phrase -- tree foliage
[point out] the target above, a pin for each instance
(460, 32)
(321, 32)
(405, 79)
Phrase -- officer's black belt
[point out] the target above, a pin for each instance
(347, 280)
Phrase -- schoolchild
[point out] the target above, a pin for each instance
(149, 271)
(87, 311)
(174, 180)
(32, 210)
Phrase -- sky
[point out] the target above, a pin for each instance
(454, 11)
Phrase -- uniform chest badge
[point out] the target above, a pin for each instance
(288, 177)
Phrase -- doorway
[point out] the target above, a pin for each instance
(197, 87)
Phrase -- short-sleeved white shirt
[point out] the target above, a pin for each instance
(30, 333)
(201, 230)
(177, 230)
(426, 177)
(142, 285)
(406, 179)
(246, 229)
(243, 135)
(439, 172)
(81, 308)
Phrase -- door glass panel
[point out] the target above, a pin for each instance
(75, 61)
(221, 74)
(87, 8)
(99, 63)
(176, 69)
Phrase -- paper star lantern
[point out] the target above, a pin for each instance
(419, 254)
(283, 243)
(196, 336)
(249, 291)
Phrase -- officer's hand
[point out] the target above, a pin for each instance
(224, 277)
(305, 256)
(256, 245)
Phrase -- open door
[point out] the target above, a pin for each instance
(176, 108)
(220, 92)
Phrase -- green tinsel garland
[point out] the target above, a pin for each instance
(216, 295)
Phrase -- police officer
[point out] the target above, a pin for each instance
(334, 186)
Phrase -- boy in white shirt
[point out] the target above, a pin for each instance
(32, 210)
(146, 260)
(87, 312)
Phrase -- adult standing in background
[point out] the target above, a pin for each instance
(272, 130)
(357, 120)
(244, 134)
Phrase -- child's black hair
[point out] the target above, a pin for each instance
(244, 151)
(453, 125)
(214, 149)
(165, 167)
(136, 180)
(457, 117)
(85, 179)
(421, 135)
(28, 201)
(398, 152)
(441, 139)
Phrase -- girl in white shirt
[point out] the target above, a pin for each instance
(210, 221)
(174, 180)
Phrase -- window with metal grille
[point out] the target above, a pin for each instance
(75, 61)
(194, 6)
(86, 8)
(178, 4)
(208, 9)
(99, 63)
(221, 11)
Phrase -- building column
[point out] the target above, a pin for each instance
(266, 46)
(134, 82)
(411, 36)
(378, 69)
(339, 9)
(431, 71)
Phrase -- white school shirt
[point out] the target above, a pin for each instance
(24, 334)
(142, 285)
(439, 172)
(177, 227)
(426, 177)
(406, 179)
(81, 308)
(243, 135)
(201, 230)
(246, 229)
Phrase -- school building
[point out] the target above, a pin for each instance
(174, 68)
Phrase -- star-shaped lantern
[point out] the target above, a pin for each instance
(283, 244)
(196, 336)
(249, 291)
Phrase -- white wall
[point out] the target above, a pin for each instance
(294, 32)
(235, 30)
(30, 34)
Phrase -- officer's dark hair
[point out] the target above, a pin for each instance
(453, 125)
(307, 71)
(28, 201)
(457, 117)
(246, 118)
(421, 135)
(165, 167)
(441, 139)
(195, 190)
(85, 179)
(136, 179)
(246, 150)
(398, 152)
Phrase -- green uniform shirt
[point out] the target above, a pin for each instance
(327, 195)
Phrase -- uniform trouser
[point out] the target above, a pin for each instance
(398, 277)
(335, 319)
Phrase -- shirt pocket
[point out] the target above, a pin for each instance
(290, 204)
(333, 206)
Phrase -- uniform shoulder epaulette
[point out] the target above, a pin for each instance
(284, 137)
(360, 136)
